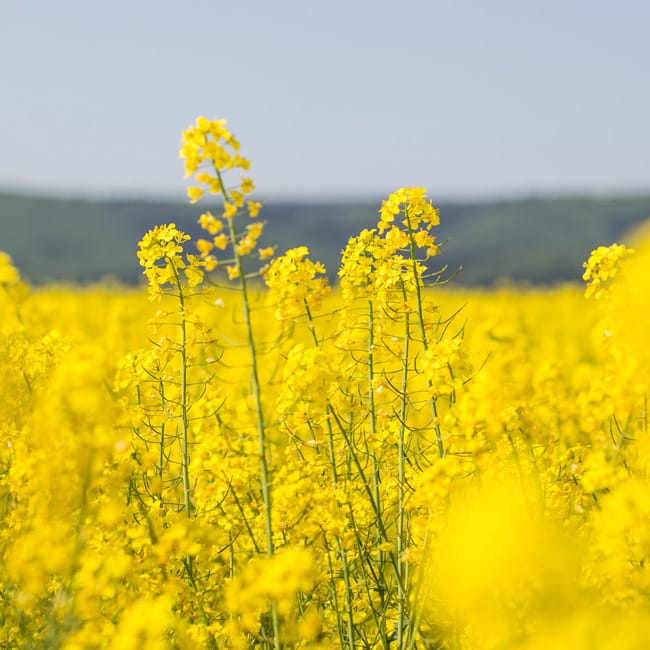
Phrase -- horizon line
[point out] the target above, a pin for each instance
(496, 196)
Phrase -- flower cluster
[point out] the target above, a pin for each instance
(384, 261)
(8, 273)
(601, 267)
(417, 209)
(296, 283)
(210, 150)
(209, 141)
(161, 254)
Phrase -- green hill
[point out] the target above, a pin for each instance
(541, 240)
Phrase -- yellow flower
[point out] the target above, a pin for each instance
(237, 198)
(195, 193)
(294, 283)
(247, 185)
(204, 246)
(193, 272)
(210, 263)
(8, 273)
(601, 267)
(221, 241)
(209, 222)
(423, 239)
(229, 210)
(205, 178)
(254, 208)
(242, 163)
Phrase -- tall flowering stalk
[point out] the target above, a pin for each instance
(386, 269)
(419, 217)
(172, 274)
(209, 151)
(161, 255)
(298, 286)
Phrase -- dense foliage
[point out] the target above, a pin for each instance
(250, 459)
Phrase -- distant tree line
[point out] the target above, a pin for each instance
(536, 240)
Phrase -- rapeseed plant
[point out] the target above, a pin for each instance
(275, 463)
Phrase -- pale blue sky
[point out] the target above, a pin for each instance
(329, 99)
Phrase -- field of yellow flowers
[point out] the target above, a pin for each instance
(243, 457)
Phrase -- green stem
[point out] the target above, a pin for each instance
(189, 569)
(257, 394)
(369, 493)
(373, 432)
(402, 609)
(418, 596)
(418, 296)
(184, 441)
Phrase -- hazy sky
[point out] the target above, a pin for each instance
(329, 99)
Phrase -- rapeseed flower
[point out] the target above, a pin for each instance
(360, 471)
